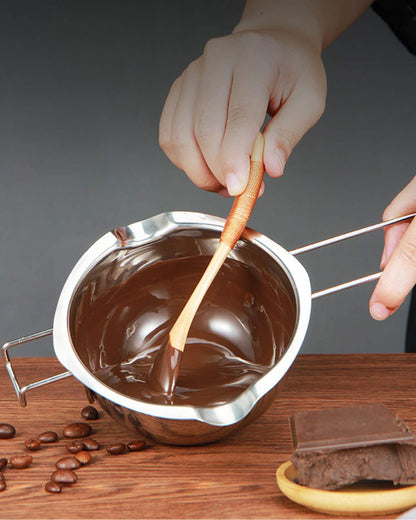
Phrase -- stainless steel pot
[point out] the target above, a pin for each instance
(115, 257)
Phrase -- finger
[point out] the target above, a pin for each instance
(184, 149)
(247, 108)
(212, 102)
(165, 123)
(402, 204)
(293, 119)
(392, 237)
(398, 278)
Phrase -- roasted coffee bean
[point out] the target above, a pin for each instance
(75, 446)
(68, 463)
(116, 449)
(3, 463)
(3, 484)
(48, 437)
(136, 445)
(77, 429)
(32, 444)
(21, 461)
(7, 431)
(91, 444)
(90, 413)
(53, 487)
(84, 457)
(64, 476)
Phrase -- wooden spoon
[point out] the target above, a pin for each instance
(164, 372)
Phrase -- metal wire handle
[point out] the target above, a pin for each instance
(346, 236)
(21, 390)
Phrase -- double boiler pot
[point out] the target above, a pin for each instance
(117, 256)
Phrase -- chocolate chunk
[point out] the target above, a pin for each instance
(339, 446)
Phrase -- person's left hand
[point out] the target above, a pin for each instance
(398, 260)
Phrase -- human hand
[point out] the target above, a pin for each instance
(398, 260)
(215, 109)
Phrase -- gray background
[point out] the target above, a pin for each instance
(81, 91)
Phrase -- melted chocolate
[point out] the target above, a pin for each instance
(164, 372)
(240, 331)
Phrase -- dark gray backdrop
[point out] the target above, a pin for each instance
(81, 91)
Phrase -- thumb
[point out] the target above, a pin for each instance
(301, 110)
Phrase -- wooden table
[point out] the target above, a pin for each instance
(234, 478)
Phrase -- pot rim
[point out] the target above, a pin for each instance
(147, 231)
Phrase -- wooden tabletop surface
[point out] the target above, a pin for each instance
(234, 478)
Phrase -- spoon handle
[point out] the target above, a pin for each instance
(244, 203)
(240, 212)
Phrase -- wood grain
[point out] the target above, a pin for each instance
(234, 478)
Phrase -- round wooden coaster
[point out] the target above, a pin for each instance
(363, 498)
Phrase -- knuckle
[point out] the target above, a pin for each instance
(165, 143)
(180, 143)
(389, 212)
(287, 140)
(190, 70)
(238, 114)
(250, 40)
(407, 251)
(164, 138)
(202, 126)
(319, 103)
(213, 46)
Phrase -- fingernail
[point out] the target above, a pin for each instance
(379, 311)
(235, 185)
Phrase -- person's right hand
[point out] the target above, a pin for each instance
(215, 109)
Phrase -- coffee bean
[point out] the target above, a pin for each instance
(21, 461)
(90, 413)
(53, 487)
(7, 431)
(64, 476)
(116, 449)
(91, 444)
(136, 445)
(32, 444)
(84, 457)
(3, 485)
(78, 429)
(75, 447)
(48, 437)
(3, 463)
(68, 463)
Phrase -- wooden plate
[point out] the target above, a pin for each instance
(367, 498)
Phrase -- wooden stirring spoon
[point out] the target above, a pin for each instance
(165, 369)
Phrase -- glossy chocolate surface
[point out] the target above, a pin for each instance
(124, 310)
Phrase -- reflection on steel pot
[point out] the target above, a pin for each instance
(266, 330)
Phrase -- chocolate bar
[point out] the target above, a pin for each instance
(335, 447)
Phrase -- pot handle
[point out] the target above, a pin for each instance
(346, 236)
(21, 390)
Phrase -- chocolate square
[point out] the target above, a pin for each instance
(335, 447)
